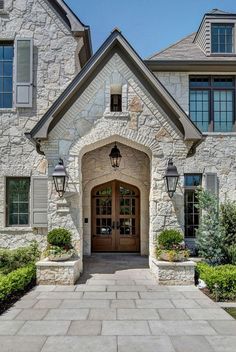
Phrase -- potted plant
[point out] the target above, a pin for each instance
(59, 246)
(171, 246)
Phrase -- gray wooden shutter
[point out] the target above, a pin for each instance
(39, 201)
(1, 4)
(24, 72)
(212, 183)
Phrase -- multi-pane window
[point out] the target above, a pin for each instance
(191, 211)
(6, 74)
(222, 38)
(17, 200)
(211, 103)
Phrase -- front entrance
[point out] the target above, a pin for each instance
(115, 218)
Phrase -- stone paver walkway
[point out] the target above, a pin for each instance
(116, 306)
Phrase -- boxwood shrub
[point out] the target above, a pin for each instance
(169, 238)
(16, 283)
(220, 280)
(59, 237)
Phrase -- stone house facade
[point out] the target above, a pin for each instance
(178, 105)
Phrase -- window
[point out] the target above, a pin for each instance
(17, 201)
(222, 38)
(116, 102)
(211, 104)
(1, 4)
(191, 212)
(6, 69)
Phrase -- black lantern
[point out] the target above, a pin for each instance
(115, 157)
(171, 178)
(59, 177)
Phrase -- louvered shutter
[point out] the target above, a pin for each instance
(1, 4)
(39, 204)
(24, 72)
(212, 183)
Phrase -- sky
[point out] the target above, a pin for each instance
(149, 25)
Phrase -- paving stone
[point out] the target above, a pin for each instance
(185, 303)
(44, 328)
(191, 343)
(144, 344)
(60, 295)
(144, 282)
(87, 327)
(102, 314)
(8, 327)
(67, 314)
(98, 282)
(156, 288)
(99, 295)
(85, 303)
(44, 288)
(223, 327)
(137, 314)
(194, 294)
(81, 344)
(180, 327)
(63, 288)
(31, 295)
(127, 295)
(32, 314)
(206, 303)
(10, 314)
(173, 314)
(25, 303)
(180, 288)
(44, 303)
(91, 288)
(123, 288)
(122, 303)
(124, 282)
(127, 327)
(161, 295)
(154, 303)
(222, 343)
(22, 343)
(208, 314)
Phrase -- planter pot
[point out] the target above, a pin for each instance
(173, 257)
(60, 258)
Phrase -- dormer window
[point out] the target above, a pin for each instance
(222, 38)
(116, 98)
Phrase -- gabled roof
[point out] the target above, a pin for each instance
(115, 43)
(72, 21)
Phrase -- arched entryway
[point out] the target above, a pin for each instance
(115, 217)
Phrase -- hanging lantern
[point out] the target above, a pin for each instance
(171, 178)
(115, 157)
(59, 177)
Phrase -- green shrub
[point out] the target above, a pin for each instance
(228, 221)
(59, 237)
(168, 239)
(12, 259)
(15, 282)
(220, 280)
(210, 233)
(231, 254)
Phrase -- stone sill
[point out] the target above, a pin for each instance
(15, 229)
(118, 114)
(161, 263)
(10, 110)
(4, 12)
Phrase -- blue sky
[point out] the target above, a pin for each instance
(149, 25)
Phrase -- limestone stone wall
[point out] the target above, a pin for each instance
(55, 63)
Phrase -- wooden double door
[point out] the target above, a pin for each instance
(115, 218)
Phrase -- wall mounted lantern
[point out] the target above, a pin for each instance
(171, 178)
(115, 157)
(59, 177)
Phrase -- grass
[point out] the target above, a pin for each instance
(231, 311)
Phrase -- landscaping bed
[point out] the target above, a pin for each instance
(17, 273)
(231, 311)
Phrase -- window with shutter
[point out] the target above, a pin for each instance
(39, 204)
(24, 72)
(1, 4)
(212, 183)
